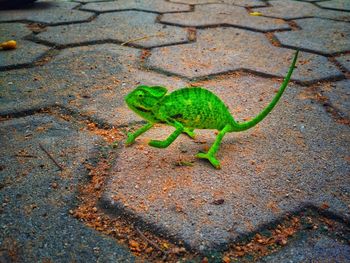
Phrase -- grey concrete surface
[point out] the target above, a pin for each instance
(82, 57)
(36, 196)
(135, 27)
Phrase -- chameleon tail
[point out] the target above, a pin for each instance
(249, 124)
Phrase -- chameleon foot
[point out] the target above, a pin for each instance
(215, 162)
(190, 133)
(130, 140)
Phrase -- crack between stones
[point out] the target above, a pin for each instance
(25, 21)
(44, 58)
(100, 42)
(225, 25)
(131, 9)
(312, 51)
(223, 73)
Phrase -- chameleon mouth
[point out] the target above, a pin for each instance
(142, 109)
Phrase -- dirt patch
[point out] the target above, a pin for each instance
(141, 242)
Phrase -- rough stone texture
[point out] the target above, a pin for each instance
(314, 248)
(338, 94)
(219, 14)
(336, 4)
(318, 35)
(295, 9)
(220, 50)
(25, 53)
(90, 80)
(311, 1)
(244, 3)
(134, 27)
(159, 6)
(13, 31)
(36, 197)
(89, 1)
(290, 159)
(298, 155)
(344, 60)
(47, 12)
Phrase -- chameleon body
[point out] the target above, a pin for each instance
(192, 108)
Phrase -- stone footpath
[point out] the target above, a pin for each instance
(70, 190)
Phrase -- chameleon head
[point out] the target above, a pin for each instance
(142, 100)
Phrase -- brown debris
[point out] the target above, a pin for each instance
(142, 38)
(259, 244)
(36, 27)
(145, 54)
(273, 40)
(51, 157)
(191, 34)
(109, 135)
(145, 245)
(324, 206)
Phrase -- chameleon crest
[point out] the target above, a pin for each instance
(192, 108)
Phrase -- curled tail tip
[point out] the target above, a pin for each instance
(246, 125)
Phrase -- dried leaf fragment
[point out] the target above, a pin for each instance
(255, 14)
(134, 245)
(7, 45)
(226, 259)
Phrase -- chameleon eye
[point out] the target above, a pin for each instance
(140, 95)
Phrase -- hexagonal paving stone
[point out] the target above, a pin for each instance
(219, 50)
(47, 12)
(318, 35)
(134, 27)
(290, 159)
(218, 14)
(338, 94)
(295, 9)
(36, 196)
(344, 60)
(314, 248)
(90, 80)
(244, 3)
(336, 4)
(26, 52)
(89, 1)
(13, 31)
(159, 6)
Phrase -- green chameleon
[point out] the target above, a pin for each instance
(192, 108)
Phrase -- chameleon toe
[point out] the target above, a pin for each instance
(215, 162)
(130, 140)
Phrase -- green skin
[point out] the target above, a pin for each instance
(188, 109)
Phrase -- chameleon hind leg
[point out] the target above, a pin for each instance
(163, 144)
(210, 155)
(132, 136)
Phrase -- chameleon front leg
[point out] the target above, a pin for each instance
(189, 132)
(132, 136)
(210, 155)
(163, 144)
